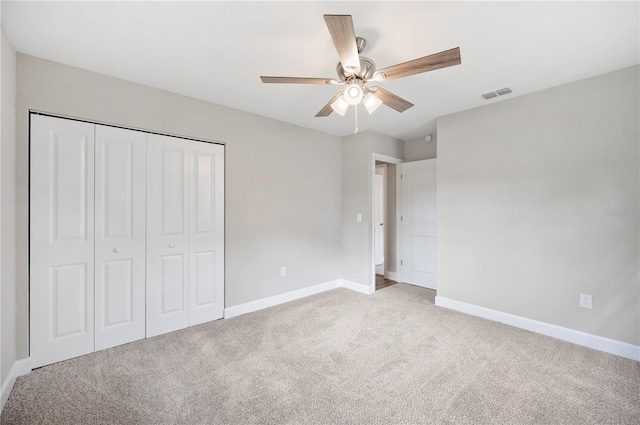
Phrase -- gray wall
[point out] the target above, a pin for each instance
(357, 197)
(418, 149)
(7, 208)
(283, 183)
(524, 190)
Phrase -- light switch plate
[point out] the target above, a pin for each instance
(359, 218)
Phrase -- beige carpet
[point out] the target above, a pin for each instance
(337, 358)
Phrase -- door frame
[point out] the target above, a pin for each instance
(380, 200)
(372, 182)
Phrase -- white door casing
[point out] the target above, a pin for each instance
(120, 236)
(167, 234)
(61, 239)
(386, 159)
(418, 224)
(379, 215)
(206, 232)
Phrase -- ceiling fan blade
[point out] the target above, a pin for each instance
(299, 80)
(428, 63)
(390, 99)
(344, 38)
(327, 109)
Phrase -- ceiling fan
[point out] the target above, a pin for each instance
(356, 71)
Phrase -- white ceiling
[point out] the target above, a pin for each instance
(216, 51)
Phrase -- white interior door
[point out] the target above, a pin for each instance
(418, 223)
(120, 206)
(167, 234)
(206, 232)
(61, 239)
(379, 213)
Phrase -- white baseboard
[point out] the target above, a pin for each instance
(595, 342)
(391, 276)
(358, 287)
(280, 299)
(295, 295)
(19, 368)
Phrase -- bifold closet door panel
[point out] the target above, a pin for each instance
(206, 232)
(120, 236)
(167, 234)
(61, 239)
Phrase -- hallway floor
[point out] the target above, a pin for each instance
(381, 282)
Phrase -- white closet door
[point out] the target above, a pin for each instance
(167, 234)
(206, 232)
(120, 185)
(419, 224)
(61, 239)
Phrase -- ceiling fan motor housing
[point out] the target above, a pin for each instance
(367, 69)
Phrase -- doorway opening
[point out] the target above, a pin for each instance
(384, 223)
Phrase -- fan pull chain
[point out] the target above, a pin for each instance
(356, 108)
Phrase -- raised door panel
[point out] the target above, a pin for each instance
(68, 175)
(120, 236)
(61, 244)
(423, 254)
(117, 296)
(167, 234)
(68, 302)
(172, 191)
(206, 232)
(204, 279)
(172, 285)
(423, 195)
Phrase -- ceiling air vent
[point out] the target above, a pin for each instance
(496, 93)
(489, 95)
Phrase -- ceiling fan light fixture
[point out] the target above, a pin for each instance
(354, 93)
(354, 71)
(371, 102)
(340, 105)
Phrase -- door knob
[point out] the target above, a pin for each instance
(172, 245)
(116, 250)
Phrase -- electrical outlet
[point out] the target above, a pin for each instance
(283, 271)
(585, 300)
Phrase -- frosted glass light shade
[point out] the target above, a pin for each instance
(340, 105)
(371, 102)
(353, 93)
